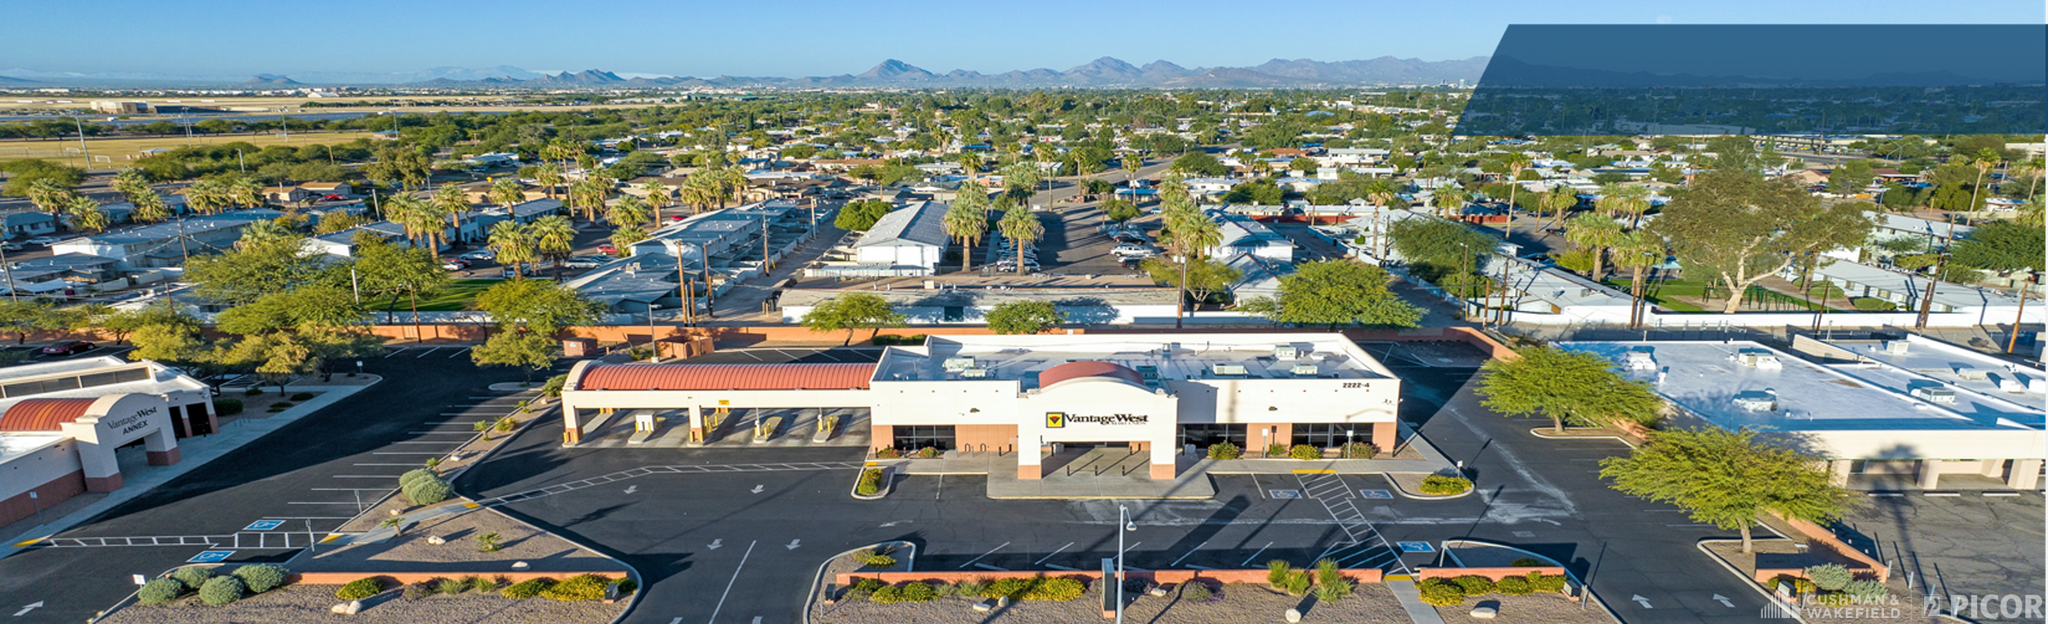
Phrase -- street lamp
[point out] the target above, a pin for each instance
(1124, 522)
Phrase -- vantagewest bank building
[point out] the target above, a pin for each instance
(1158, 393)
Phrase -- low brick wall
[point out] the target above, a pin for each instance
(1366, 575)
(342, 578)
(1821, 535)
(1494, 574)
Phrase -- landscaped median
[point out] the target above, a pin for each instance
(873, 482)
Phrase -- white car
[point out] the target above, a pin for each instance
(43, 240)
(482, 254)
(1139, 251)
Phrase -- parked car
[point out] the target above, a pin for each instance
(481, 254)
(333, 196)
(585, 262)
(608, 249)
(455, 264)
(43, 240)
(68, 348)
(1135, 250)
(12, 246)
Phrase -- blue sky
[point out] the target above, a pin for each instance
(826, 38)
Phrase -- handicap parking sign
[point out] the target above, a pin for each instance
(1283, 493)
(1415, 547)
(211, 556)
(1376, 493)
(263, 525)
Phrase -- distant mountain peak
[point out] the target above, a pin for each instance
(893, 69)
(271, 80)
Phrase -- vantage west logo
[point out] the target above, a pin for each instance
(1057, 420)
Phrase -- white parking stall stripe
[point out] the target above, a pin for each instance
(383, 465)
(395, 351)
(991, 551)
(366, 476)
(349, 503)
(455, 442)
(405, 453)
(458, 352)
(1190, 553)
(424, 353)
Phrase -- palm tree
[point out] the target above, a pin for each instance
(730, 181)
(624, 236)
(508, 193)
(243, 192)
(206, 196)
(263, 231)
(1617, 201)
(629, 210)
(554, 238)
(1132, 162)
(86, 214)
(1447, 200)
(549, 176)
(967, 223)
(150, 207)
(1189, 235)
(1596, 233)
(970, 163)
(1984, 160)
(1515, 162)
(514, 246)
(422, 222)
(1638, 251)
(699, 193)
(588, 195)
(49, 195)
(451, 200)
(1560, 199)
(658, 196)
(130, 183)
(1020, 226)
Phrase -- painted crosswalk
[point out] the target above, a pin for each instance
(1363, 547)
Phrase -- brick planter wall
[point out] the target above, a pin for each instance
(408, 578)
(1366, 575)
(1494, 574)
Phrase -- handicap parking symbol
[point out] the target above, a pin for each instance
(1376, 493)
(1415, 547)
(263, 525)
(211, 556)
(1283, 493)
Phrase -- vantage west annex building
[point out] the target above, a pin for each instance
(1162, 394)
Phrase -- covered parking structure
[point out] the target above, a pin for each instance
(596, 391)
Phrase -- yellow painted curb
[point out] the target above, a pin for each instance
(329, 538)
(471, 506)
(31, 541)
(1397, 577)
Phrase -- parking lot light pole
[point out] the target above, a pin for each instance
(1126, 526)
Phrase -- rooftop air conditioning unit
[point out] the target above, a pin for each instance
(975, 372)
(955, 364)
(1897, 347)
(1304, 370)
(1640, 359)
(1285, 352)
(1759, 359)
(1236, 370)
(1751, 400)
(1936, 394)
(1966, 372)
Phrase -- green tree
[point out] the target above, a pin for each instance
(966, 224)
(1200, 163)
(1741, 228)
(851, 311)
(2012, 249)
(1019, 225)
(860, 215)
(1573, 387)
(507, 192)
(514, 245)
(387, 270)
(626, 236)
(1204, 276)
(537, 306)
(1189, 234)
(1728, 479)
(554, 238)
(86, 214)
(1595, 233)
(20, 317)
(628, 210)
(1334, 293)
(527, 351)
(1024, 317)
(257, 267)
(1119, 210)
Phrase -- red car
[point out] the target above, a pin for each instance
(68, 348)
(608, 249)
(332, 196)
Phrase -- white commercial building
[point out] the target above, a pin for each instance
(908, 241)
(62, 425)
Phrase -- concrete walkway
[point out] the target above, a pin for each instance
(1411, 601)
(195, 452)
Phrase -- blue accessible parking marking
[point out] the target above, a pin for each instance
(1376, 493)
(1415, 547)
(263, 525)
(1283, 493)
(211, 556)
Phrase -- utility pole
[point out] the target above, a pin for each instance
(81, 142)
(1933, 281)
(9, 267)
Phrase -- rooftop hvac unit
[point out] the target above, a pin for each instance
(973, 372)
(2009, 384)
(1966, 372)
(1640, 359)
(1235, 370)
(955, 364)
(1759, 359)
(1285, 352)
(1897, 347)
(1304, 370)
(2037, 384)
(1936, 394)
(1754, 401)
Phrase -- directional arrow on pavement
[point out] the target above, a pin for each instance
(757, 489)
(716, 543)
(1641, 601)
(1723, 600)
(30, 607)
(632, 488)
(793, 544)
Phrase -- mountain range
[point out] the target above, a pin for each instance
(1105, 72)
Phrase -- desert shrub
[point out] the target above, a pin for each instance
(360, 588)
(192, 577)
(888, 453)
(1440, 593)
(1276, 573)
(928, 452)
(579, 587)
(1474, 585)
(1006, 588)
(908, 592)
(159, 591)
(969, 588)
(1830, 576)
(1546, 583)
(227, 407)
(1802, 586)
(527, 589)
(1331, 585)
(1443, 485)
(1514, 586)
(301, 396)
(626, 586)
(944, 590)
(451, 586)
(1276, 450)
(220, 590)
(480, 584)
(874, 558)
(1527, 562)
(1196, 592)
(1865, 591)
(1304, 451)
(1360, 450)
(863, 588)
(261, 577)
(426, 489)
(870, 482)
(1225, 450)
(416, 474)
(252, 391)
(421, 589)
(1055, 589)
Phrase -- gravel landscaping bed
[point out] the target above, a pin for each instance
(411, 552)
(1903, 607)
(1530, 609)
(310, 603)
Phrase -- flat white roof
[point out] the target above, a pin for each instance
(161, 380)
(16, 445)
(1710, 380)
(1166, 356)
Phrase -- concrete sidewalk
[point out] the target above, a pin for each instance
(196, 452)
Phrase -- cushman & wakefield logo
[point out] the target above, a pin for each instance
(1056, 420)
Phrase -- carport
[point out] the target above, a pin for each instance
(713, 395)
